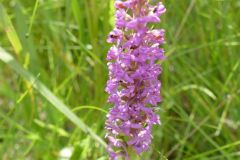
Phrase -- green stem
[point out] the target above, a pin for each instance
(132, 154)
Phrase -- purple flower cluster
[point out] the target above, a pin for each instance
(133, 84)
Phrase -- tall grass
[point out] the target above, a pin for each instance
(53, 73)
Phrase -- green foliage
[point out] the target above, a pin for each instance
(52, 59)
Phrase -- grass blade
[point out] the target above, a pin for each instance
(45, 92)
(89, 107)
(7, 25)
(33, 17)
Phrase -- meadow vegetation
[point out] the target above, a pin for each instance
(53, 73)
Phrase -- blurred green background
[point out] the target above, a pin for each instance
(59, 47)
